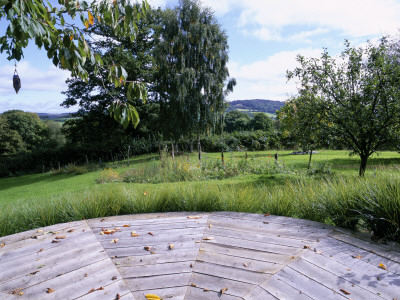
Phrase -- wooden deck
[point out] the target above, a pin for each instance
(196, 256)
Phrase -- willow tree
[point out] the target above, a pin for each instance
(193, 78)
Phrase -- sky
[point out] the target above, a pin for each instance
(264, 39)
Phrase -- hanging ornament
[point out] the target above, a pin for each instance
(16, 80)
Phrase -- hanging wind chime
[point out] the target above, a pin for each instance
(16, 80)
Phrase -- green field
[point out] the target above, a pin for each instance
(273, 116)
(332, 192)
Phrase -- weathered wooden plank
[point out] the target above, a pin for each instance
(231, 273)
(149, 222)
(261, 246)
(260, 255)
(331, 280)
(199, 294)
(75, 283)
(147, 216)
(281, 290)
(377, 249)
(259, 294)
(156, 248)
(168, 257)
(175, 293)
(110, 291)
(33, 272)
(158, 282)
(155, 269)
(256, 237)
(306, 285)
(9, 239)
(4, 296)
(351, 280)
(171, 236)
(344, 253)
(44, 241)
(30, 263)
(215, 284)
(296, 234)
(247, 264)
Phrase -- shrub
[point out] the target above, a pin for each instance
(107, 176)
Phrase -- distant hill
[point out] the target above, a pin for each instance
(256, 105)
(62, 117)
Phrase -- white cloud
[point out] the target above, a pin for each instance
(355, 18)
(266, 79)
(40, 89)
(33, 79)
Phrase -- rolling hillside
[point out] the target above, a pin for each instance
(256, 105)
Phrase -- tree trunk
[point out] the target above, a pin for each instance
(363, 165)
(309, 161)
(191, 146)
(199, 148)
(173, 151)
(222, 157)
(159, 151)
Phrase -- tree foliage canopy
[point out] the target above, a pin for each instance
(54, 28)
(359, 94)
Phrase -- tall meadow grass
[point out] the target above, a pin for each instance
(372, 203)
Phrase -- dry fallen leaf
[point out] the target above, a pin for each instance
(193, 285)
(33, 273)
(114, 278)
(101, 232)
(266, 222)
(344, 292)
(266, 215)
(16, 291)
(2, 245)
(348, 269)
(244, 264)
(208, 238)
(147, 248)
(356, 256)
(40, 230)
(49, 291)
(306, 247)
(61, 237)
(152, 297)
(20, 293)
(206, 290)
(126, 226)
(71, 230)
(222, 291)
(194, 217)
(151, 233)
(54, 241)
(91, 291)
(171, 246)
(152, 252)
(382, 266)
(114, 241)
(40, 250)
(191, 265)
(210, 226)
(117, 297)
(86, 275)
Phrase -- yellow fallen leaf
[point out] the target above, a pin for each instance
(208, 238)
(60, 237)
(222, 291)
(152, 297)
(101, 232)
(194, 217)
(40, 230)
(133, 233)
(20, 293)
(210, 226)
(126, 226)
(114, 241)
(382, 266)
(244, 264)
(206, 290)
(356, 256)
(193, 285)
(2, 245)
(171, 246)
(49, 291)
(87, 24)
